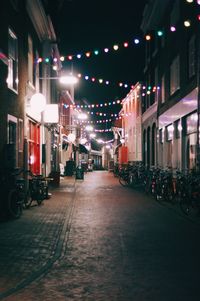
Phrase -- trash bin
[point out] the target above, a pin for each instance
(56, 178)
(69, 168)
(79, 173)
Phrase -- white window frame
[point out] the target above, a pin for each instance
(12, 80)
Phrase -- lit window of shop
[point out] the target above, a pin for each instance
(169, 132)
(177, 129)
(191, 123)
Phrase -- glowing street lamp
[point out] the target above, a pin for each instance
(68, 80)
(89, 128)
(38, 102)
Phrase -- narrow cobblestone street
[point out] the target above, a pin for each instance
(96, 240)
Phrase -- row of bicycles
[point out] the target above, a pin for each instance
(164, 185)
(18, 193)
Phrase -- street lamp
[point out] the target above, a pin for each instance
(38, 102)
(68, 80)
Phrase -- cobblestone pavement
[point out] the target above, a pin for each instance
(116, 244)
(31, 244)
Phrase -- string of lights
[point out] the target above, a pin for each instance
(137, 40)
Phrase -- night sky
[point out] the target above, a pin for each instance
(83, 26)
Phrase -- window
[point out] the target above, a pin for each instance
(191, 123)
(163, 89)
(175, 14)
(12, 80)
(191, 57)
(177, 129)
(20, 135)
(175, 75)
(30, 60)
(169, 132)
(161, 136)
(15, 4)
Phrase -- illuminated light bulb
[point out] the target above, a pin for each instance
(120, 84)
(96, 52)
(69, 57)
(160, 33)
(189, 1)
(149, 87)
(86, 77)
(88, 54)
(143, 87)
(125, 44)
(198, 2)
(143, 94)
(115, 47)
(101, 105)
(198, 17)
(125, 86)
(148, 37)
(136, 41)
(106, 50)
(187, 23)
(79, 75)
(39, 60)
(55, 59)
(78, 56)
(118, 101)
(107, 82)
(100, 80)
(148, 92)
(93, 79)
(55, 68)
(62, 58)
(173, 28)
(47, 60)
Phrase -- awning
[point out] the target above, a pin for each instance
(83, 149)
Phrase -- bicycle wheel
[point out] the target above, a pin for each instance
(123, 181)
(40, 195)
(14, 204)
(189, 207)
(28, 199)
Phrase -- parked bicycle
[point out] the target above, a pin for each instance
(12, 193)
(190, 195)
(37, 189)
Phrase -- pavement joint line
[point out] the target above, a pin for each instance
(58, 254)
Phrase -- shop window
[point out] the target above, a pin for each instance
(177, 129)
(169, 132)
(191, 123)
